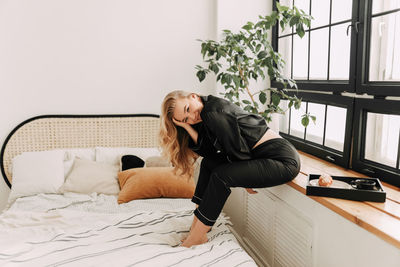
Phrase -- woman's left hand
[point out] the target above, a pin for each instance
(181, 124)
(251, 191)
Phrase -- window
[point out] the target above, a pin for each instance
(377, 142)
(312, 60)
(378, 50)
(330, 137)
(348, 63)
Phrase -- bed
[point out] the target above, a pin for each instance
(49, 228)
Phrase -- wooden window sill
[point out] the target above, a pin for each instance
(381, 219)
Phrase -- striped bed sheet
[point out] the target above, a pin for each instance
(93, 230)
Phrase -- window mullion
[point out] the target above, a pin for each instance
(398, 153)
(323, 137)
(308, 47)
(329, 38)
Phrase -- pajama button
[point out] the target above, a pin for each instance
(218, 151)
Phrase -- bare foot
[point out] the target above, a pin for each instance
(189, 241)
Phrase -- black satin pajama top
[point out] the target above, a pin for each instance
(226, 131)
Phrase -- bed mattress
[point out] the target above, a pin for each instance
(85, 230)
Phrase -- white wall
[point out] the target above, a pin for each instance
(232, 15)
(97, 56)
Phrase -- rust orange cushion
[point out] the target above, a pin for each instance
(154, 182)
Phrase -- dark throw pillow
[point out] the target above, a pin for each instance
(131, 161)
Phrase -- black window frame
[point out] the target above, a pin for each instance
(357, 84)
(362, 107)
(336, 86)
(321, 151)
(363, 85)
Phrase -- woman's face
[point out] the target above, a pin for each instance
(187, 109)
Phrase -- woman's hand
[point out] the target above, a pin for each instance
(191, 131)
(251, 191)
(184, 125)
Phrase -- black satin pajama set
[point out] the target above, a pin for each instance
(225, 138)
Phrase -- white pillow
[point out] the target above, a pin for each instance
(112, 155)
(72, 153)
(89, 176)
(37, 172)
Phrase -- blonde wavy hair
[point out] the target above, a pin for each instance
(174, 140)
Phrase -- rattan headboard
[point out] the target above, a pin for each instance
(78, 131)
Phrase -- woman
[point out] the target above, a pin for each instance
(238, 150)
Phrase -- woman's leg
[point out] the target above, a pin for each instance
(257, 173)
(197, 236)
(275, 162)
(206, 167)
(195, 220)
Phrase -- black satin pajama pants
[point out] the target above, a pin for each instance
(273, 162)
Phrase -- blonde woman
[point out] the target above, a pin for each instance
(238, 150)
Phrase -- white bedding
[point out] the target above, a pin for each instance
(81, 230)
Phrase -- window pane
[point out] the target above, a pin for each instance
(285, 49)
(284, 118)
(315, 132)
(300, 57)
(319, 54)
(303, 4)
(320, 11)
(296, 128)
(379, 6)
(341, 10)
(384, 62)
(340, 53)
(287, 30)
(382, 138)
(335, 127)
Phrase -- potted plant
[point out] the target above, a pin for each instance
(248, 55)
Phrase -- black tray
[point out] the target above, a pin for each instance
(377, 194)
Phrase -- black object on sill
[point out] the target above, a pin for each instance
(351, 188)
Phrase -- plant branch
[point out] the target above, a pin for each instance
(246, 83)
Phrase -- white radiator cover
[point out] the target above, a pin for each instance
(279, 234)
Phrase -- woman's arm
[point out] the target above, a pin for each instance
(191, 131)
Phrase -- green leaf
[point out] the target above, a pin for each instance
(282, 23)
(314, 119)
(262, 97)
(275, 98)
(248, 26)
(219, 76)
(228, 78)
(214, 68)
(281, 8)
(223, 78)
(294, 21)
(248, 108)
(262, 55)
(300, 30)
(246, 102)
(201, 74)
(305, 121)
(236, 81)
(297, 104)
